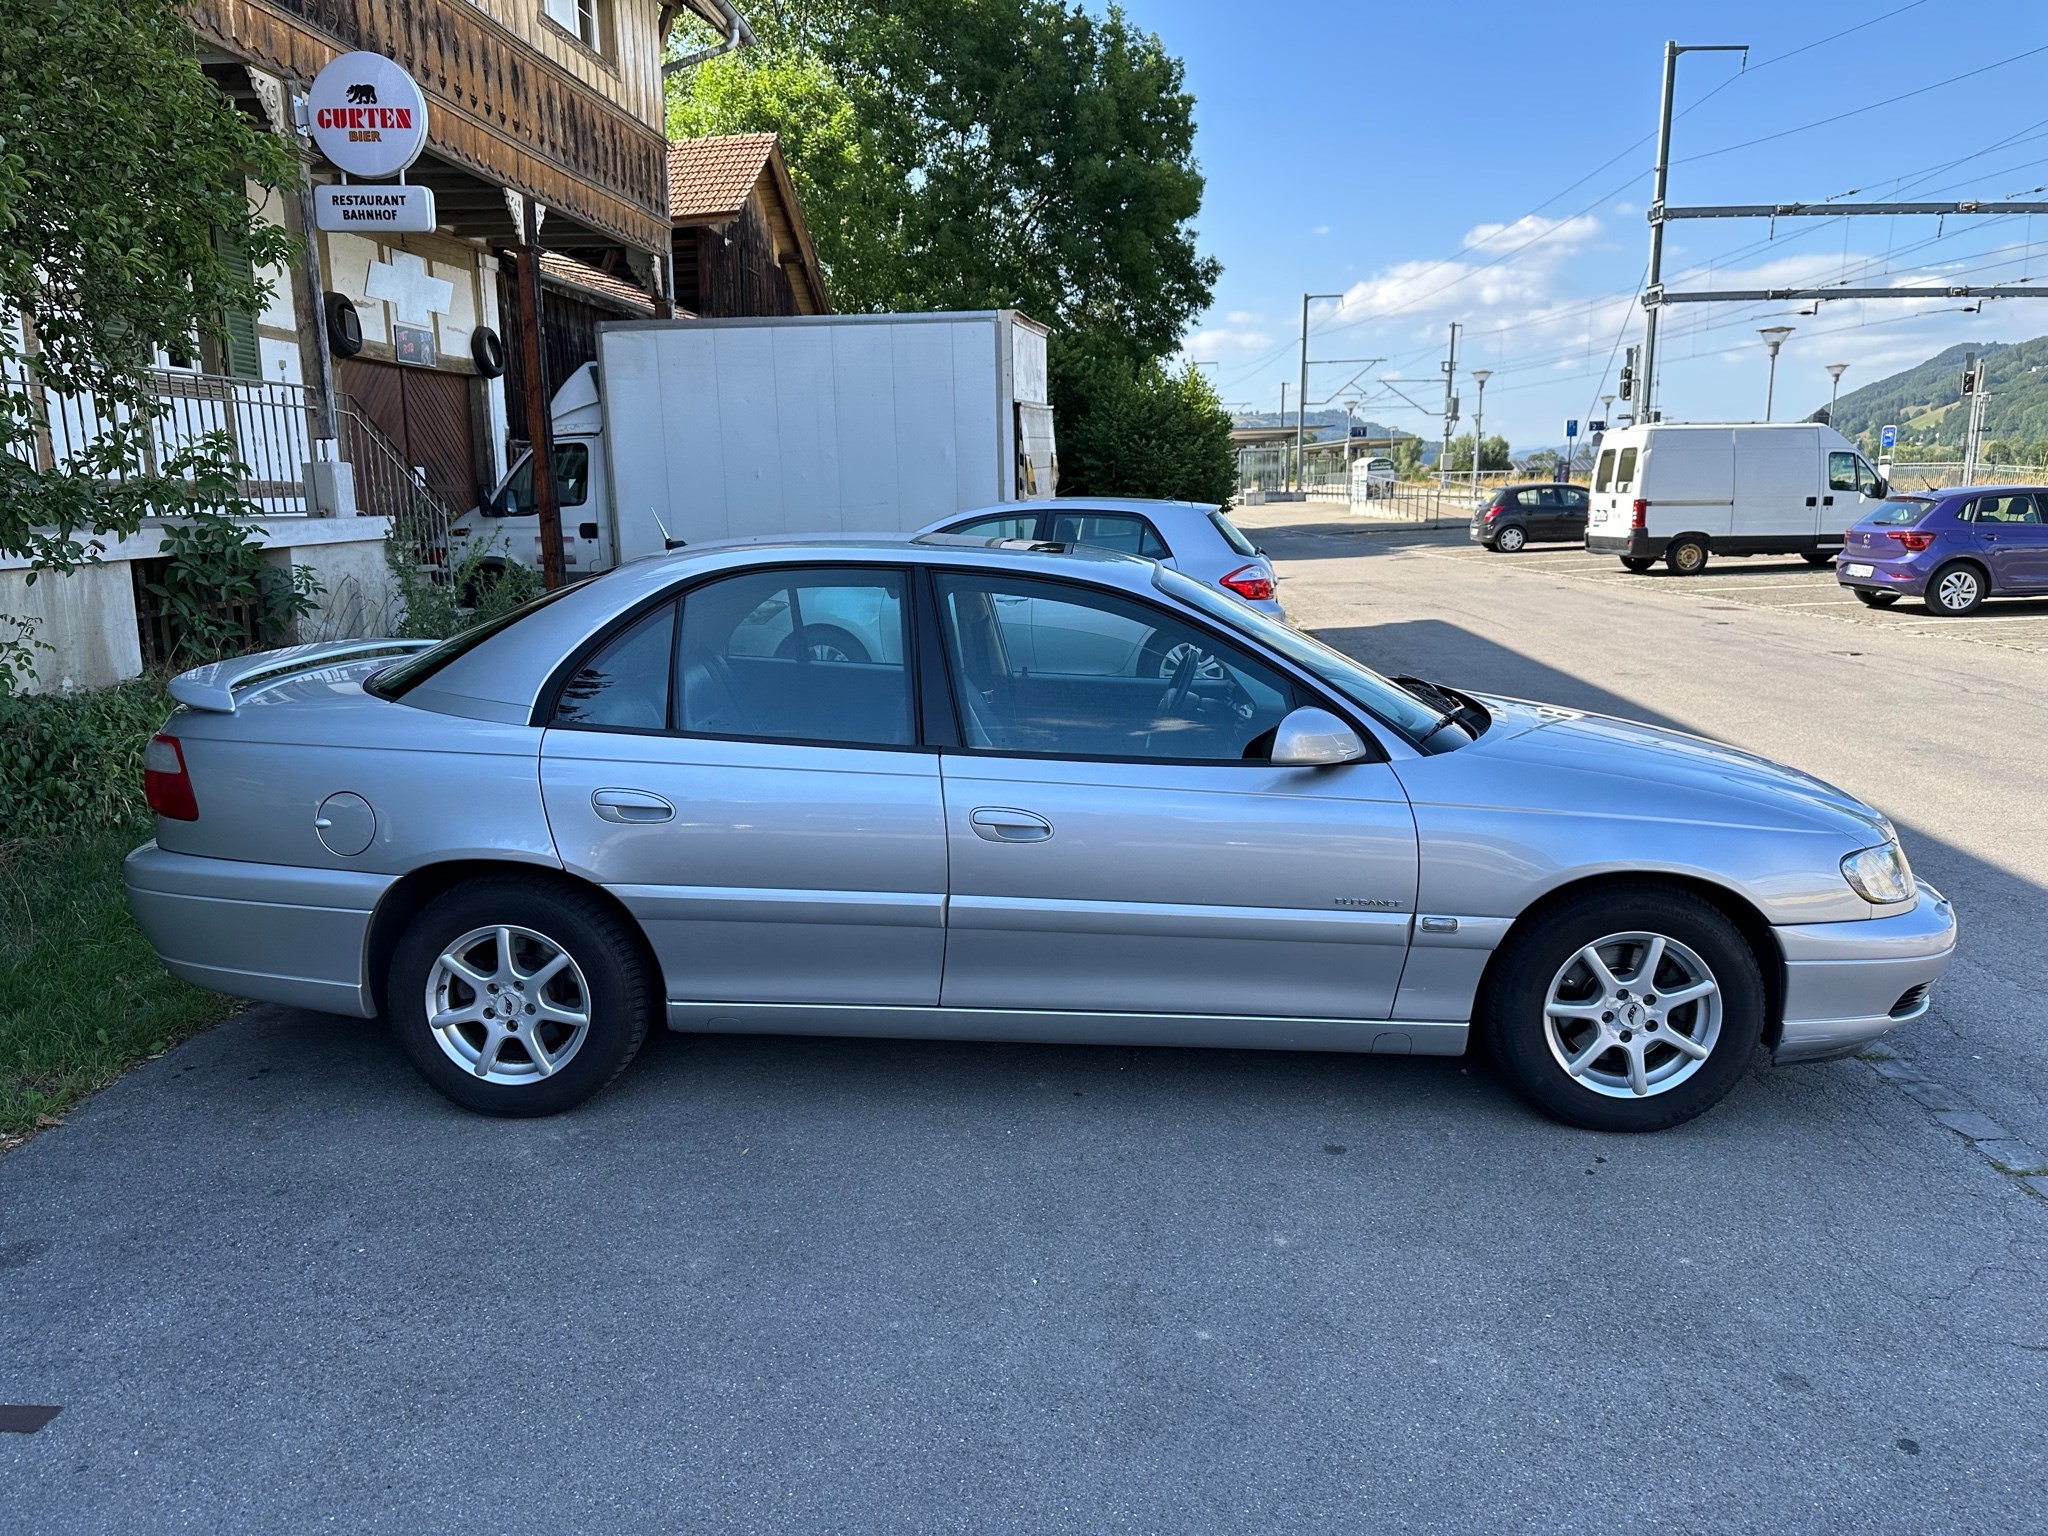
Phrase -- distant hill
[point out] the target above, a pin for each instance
(1926, 404)
(1321, 424)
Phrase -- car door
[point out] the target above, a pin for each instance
(1571, 523)
(1120, 845)
(1852, 494)
(1546, 515)
(2014, 540)
(761, 808)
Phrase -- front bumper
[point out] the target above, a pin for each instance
(1848, 983)
(276, 933)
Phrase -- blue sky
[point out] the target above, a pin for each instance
(1420, 161)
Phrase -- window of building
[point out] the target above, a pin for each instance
(581, 19)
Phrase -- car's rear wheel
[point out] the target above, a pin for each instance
(822, 642)
(1956, 589)
(1637, 563)
(1509, 540)
(1870, 599)
(1817, 556)
(1627, 1009)
(1686, 557)
(515, 995)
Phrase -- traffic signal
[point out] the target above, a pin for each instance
(1628, 381)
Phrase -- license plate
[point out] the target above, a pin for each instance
(1856, 570)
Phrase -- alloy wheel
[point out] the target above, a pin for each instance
(1958, 590)
(1632, 1015)
(508, 1004)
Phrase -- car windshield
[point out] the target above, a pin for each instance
(1376, 695)
(1903, 513)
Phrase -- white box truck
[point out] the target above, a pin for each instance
(686, 431)
(1680, 493)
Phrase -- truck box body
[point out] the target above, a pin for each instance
(688, 431)
(1739, 489)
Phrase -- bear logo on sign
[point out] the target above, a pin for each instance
(364, 95)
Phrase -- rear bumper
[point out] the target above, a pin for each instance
(1848, 983)
(1885, 575)
(1635, 543)
(274, 933)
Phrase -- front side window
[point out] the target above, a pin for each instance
(1044, 668)
(1015, 526)
(1603, 477)
(572, 482)
(803, 655)
(625, 686)
(1110, 530)
(1625, 472)
(1842, 471)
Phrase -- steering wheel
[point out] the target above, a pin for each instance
(1183, 680)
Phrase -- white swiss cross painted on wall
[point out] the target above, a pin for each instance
(404, 282)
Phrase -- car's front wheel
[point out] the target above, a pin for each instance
(517, 995)
(1626, 1009)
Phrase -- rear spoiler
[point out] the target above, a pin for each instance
(214, 686)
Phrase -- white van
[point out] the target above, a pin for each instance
(1681, 492)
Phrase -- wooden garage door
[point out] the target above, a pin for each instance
(426, 414)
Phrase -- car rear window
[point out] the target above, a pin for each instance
(401, 677)
(1604, 476)
(1625, 472)
(1231, 536)
(1903, 513)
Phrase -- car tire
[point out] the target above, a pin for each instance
(1870, 599)
(1510, 540)
(497, 1065)
(1956, 589)
(1817, 556)
(1544, 1009)
(1637, 563)
(823, 642)
(1686, 556)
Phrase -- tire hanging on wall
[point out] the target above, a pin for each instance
(344, 326)
(487, 348)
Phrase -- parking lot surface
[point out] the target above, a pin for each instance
(804, 1285)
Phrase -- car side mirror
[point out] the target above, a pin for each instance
(1315, 738)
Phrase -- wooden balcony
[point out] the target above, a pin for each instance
(499, 111)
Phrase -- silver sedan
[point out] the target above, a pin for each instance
(651, 798)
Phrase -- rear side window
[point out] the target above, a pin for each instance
(1625, 472)
(624, 687)
(1011, 527)
(1901, 514)
(400, 678)
(2004, 509)
(1110, 530)
(1232, 536)
(1603, 477)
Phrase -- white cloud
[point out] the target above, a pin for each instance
(1322, 229)
(1232, 341)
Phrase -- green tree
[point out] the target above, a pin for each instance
(1493, 457)
(1407, 457)
(1137, 430)
(125, 228)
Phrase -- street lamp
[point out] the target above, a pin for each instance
(1835, 372)
(1774, 338)
(1479, 425)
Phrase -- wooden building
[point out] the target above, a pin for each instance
(741, 245)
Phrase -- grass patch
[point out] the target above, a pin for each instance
(82, 995)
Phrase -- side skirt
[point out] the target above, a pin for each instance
(1373, 1036)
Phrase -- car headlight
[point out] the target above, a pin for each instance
(1880, 875)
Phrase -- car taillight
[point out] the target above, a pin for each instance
(1250, 583)
(1638, 513)
(165, 783)
(1913, 541)
(1492, 512)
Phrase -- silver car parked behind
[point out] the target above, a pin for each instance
(636, 802)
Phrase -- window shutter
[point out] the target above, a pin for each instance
(244, 359)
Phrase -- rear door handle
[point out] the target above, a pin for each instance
(1827, 501)
(631, 807)
(1813, 501)
(999, 824)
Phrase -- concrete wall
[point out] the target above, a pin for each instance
(88, 618)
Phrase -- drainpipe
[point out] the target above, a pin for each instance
(737, 35)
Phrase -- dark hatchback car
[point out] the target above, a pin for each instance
(1951, 549)
(1537, 513)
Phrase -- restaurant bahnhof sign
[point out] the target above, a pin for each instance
(369, 118)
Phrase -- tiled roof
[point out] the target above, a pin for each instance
(568, 271)
(711, 178)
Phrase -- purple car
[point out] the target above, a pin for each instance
(1951, 549)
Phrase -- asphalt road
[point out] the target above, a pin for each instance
(794, 1285)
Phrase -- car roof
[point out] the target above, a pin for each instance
(501, 678)
(1981, 490)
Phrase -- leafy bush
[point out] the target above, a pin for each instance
(438, 604)
(1130, 428)
(73, 761)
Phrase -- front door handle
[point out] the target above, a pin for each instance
(1001, 825)
(631, 807)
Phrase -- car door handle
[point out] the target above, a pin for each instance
(632, 807)
(1827, 501)
(1812, 501)
(1000, 825)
